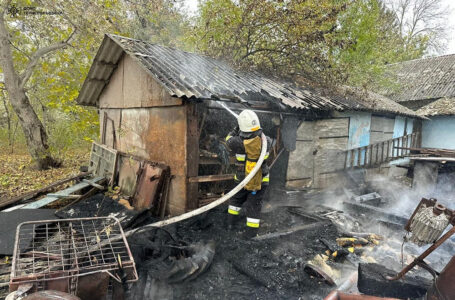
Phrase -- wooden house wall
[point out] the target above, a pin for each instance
(317, 157)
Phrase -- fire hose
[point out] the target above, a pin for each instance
(217, 202)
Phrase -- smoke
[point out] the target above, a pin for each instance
(402, 198)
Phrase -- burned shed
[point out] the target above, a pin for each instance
(166, 105)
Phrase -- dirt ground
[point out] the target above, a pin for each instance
(17, 175)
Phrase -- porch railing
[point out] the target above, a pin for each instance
(375, 154)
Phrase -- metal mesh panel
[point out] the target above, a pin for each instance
(57, 249)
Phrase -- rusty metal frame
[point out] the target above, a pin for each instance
(422, 256)
(77, 250)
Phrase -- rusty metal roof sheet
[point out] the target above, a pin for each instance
(190, 75)
(426, 78)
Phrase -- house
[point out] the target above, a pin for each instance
(166, 105)
(439, 130)
(427, 86)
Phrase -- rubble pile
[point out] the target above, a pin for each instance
(269, 268)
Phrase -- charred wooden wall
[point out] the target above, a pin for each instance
(317, 158)
(137, 116)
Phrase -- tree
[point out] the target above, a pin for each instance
(279, 37)
(422, 19)
(369, 38)
(157, 21)
(329, 41)
(48, 48)
(35, 134)
(31, 34)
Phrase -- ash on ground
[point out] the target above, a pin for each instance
(297, 228)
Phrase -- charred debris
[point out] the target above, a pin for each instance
(344, 218)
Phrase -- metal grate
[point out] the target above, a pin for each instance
(57, 249)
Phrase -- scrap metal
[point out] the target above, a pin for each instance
(62, 250)
(426, 229)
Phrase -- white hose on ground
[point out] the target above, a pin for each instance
(215, 203)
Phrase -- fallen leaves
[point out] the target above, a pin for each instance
(17, 175)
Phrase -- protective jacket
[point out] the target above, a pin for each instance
(247, 149)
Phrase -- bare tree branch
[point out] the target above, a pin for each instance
(25, 76)
(419, 18)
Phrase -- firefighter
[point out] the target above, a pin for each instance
(246, 143)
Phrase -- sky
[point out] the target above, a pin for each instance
(451, 25)
(191, 5)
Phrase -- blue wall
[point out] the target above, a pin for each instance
(439, 132)
(398, 129)
(359, 130)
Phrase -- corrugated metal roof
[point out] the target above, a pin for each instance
(190, 75)
(426, 78)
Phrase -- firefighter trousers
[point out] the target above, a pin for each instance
(251, 202)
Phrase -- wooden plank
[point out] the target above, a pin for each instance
(432, 158)
(112, 95)
(98, 186)
(301, 164)
(211, 178)
(352, 158)
(305, 132)
(142, 90)
(346, 159)
(72, 189)
(332, 128)
(359, 157)
(192, 154)
(377, 154)
(147, 133)
(110, 131)
(149, 187)
(103, 161)
(329, 155)
(371, 155)
(388, 149)
(382, 124)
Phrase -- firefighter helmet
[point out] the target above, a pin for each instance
(248, 121)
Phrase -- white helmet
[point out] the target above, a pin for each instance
(248, 121)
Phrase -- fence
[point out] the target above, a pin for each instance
(381, 152)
